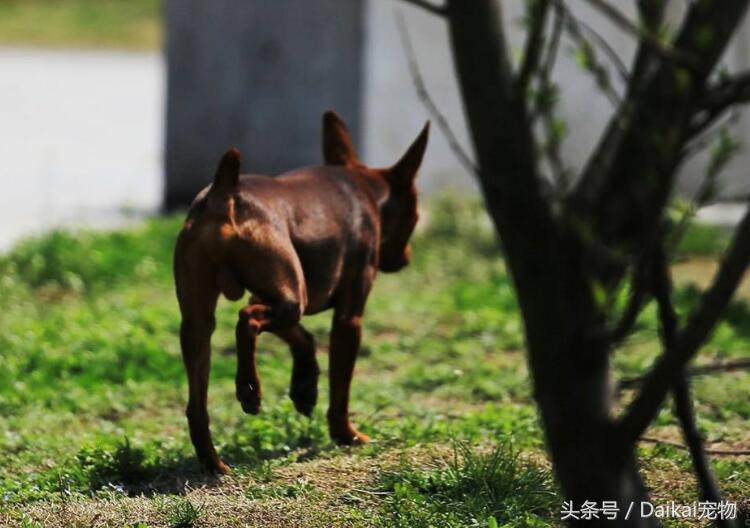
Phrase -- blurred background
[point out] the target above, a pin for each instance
(113, 110)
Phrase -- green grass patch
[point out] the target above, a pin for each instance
(92, 388)
(133, 24)
(476, 488)
(703, 240)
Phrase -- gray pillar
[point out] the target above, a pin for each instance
(256, 74)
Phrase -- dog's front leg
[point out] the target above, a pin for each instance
(303, 388)
(254, 319)
(346, 335)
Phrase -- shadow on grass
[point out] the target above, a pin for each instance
(135, 472)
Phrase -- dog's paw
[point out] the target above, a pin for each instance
(349, 436)
(215, 466)
(248, 398)
(304, 392)
(305, 402)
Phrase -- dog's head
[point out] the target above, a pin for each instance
(398, 213)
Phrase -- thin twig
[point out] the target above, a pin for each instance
(427, 100)
(575, 29)
(710, 451)
(636, 301)
(651, 15)
(554, 42)
(614, 58)
(368, 492)
(662, 291)
(552, 148)
(534, 43)
(707, 137)
(657, 383)
(624, 23)
(427, 6)
(728, 366)
(720, 98)
(731, 90)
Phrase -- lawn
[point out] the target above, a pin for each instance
(132, 24)
(92, 391)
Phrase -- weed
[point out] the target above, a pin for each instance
(474, 488)
(181, 512)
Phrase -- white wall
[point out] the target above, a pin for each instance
(80, 138)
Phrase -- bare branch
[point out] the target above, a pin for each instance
(644, 407)
(651, 14)
(663, 50)
(729, 91)
(427, 6)
(608, 50)
(728, 366)
(662, 290)
(719, 98)
(601, 74)
(710, 451)
(638, 295)
(554, 41)
(544, 103)
(646, 136)
(685, 412)
(419, 84)
(714, 368)
(703, 137)
(534, 42)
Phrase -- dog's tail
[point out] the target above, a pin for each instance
(221, 195)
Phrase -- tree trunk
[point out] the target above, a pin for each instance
(569, 363)
(568, 358)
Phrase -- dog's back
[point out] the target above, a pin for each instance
(328, 217)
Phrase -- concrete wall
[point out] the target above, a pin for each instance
(256, 74)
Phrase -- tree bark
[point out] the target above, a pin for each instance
(567, 356)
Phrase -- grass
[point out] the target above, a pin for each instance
(475, 489)
(92, 392)
(131, 24)
(181, 513)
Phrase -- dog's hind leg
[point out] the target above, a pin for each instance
(197, 294)
(303, 389)
(195, 339)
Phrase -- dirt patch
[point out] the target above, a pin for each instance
(335, 492)
(701, 271)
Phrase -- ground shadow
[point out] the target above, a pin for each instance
(131, 471)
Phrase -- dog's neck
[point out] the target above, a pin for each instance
(377, 185)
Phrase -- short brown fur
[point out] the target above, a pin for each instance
(306, 241)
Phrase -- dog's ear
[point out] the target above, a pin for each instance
(228, 173)
(402, 174)
(337, 141)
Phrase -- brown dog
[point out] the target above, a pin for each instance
(300, 243)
